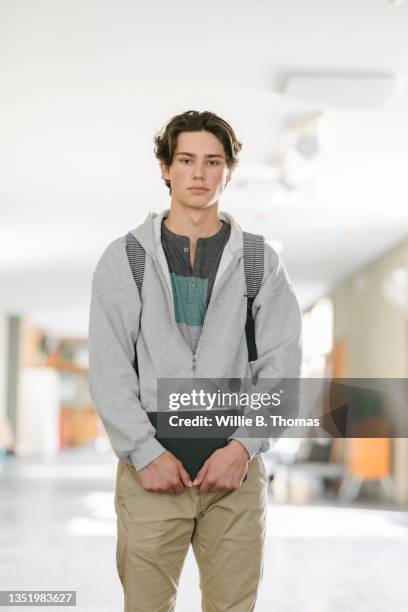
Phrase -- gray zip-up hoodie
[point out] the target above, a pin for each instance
(118, 324)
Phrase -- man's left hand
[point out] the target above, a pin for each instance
(224, 470)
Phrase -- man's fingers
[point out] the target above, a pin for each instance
(200, 474)
(185, 477)
(206, 485)
(175, 484)
(178, 489)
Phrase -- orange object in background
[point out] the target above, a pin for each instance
(338, 360)
(78, 426)
(369, 458)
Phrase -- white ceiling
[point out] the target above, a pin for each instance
(85, 84)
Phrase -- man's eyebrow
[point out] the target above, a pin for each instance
(193, 155)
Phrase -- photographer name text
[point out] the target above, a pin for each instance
(241, 421)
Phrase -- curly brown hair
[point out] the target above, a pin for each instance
(193, 121)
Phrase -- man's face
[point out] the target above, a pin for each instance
(199, 161)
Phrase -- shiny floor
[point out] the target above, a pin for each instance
(57, 532)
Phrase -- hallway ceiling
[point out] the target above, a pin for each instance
(85, 85)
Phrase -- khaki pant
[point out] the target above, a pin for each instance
(226, 530)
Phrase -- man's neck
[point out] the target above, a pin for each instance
(193, 223)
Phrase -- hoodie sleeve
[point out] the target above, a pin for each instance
(278, 337)
(113, 382)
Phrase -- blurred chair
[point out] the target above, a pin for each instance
(368, 444)
(367, 459)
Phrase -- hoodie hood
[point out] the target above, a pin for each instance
(149, 236)
(149, 233)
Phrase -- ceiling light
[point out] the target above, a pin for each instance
(348, 89)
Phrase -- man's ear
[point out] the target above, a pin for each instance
(164, 170)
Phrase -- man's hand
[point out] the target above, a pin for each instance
(165, 474)
(224, 469)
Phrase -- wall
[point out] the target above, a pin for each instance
(375, 327)
(3, 378)
(371, 316)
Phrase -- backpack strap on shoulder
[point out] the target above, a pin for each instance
(254, 247)
(136, 257)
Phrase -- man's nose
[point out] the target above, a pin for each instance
(198, 171)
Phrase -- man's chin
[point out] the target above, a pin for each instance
(196, 204)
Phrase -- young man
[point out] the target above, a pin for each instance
(194, 270)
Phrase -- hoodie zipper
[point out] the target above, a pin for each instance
(210, 305)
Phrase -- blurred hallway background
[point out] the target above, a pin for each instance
(317, 92)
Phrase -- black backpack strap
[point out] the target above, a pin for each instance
(136, 256)
(254, 247)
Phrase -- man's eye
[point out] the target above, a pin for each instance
(211, 161)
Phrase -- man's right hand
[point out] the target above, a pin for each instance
(165, 474)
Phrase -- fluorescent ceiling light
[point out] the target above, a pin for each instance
(340, 89)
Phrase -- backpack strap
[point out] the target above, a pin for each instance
(254, 247)
(136, 257)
